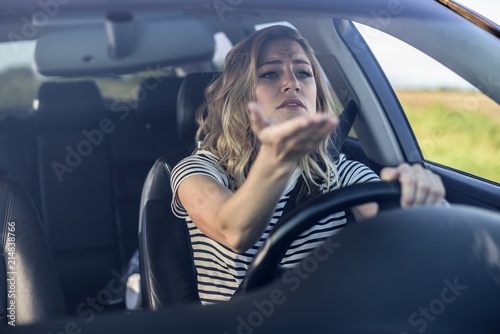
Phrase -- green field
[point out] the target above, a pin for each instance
(457, 129)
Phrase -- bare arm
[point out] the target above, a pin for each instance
(237, 220)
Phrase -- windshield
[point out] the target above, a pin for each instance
(19, 81)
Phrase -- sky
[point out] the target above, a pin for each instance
(407, 68)
(488, 8)
(396, 70)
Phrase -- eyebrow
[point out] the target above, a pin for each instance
(278, 61)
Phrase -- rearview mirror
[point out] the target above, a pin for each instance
(123, 45)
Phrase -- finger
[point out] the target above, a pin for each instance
(312, 134)
(406, 179)
(257, 119)
(315, 132)
(320, 126)
(389, 174)
(325, 119)
(328, 123)
(305, 129)
(282, 135)
(437, 191)
(297, 136)
(423, 185)
(433, 194)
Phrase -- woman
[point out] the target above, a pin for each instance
(268, 124)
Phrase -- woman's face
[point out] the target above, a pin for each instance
(285, 82)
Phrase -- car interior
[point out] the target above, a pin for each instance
(85, 169)
(85, 176)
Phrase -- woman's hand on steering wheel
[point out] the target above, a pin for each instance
(419, 186)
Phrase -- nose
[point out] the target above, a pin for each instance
(290, 83)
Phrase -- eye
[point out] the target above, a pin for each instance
(269, 75)
(304, 74)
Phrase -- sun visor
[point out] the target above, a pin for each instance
(123, 45)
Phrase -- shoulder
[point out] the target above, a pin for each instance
(201, 162)
(351, 171)
(201, 158)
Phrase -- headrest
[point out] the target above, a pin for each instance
(68, 105)
(191, 96)
(158, 99)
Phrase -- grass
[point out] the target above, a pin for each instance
(457, 129)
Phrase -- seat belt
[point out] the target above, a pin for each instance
(346, 118)
(292, 199)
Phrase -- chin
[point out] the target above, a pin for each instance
(291, 114)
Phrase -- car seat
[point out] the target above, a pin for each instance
(166, 265)
(77, 206)
(30, 290)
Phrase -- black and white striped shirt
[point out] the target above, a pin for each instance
(219, 269)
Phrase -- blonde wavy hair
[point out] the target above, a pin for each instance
(224, 123)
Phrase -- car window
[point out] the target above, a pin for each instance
(222, 47)
(18, 81)
(455, 124)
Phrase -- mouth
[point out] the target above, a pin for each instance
(291, 104)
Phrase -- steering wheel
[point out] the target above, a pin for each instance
(266, 267)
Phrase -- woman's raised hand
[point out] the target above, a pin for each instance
(291, 139)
